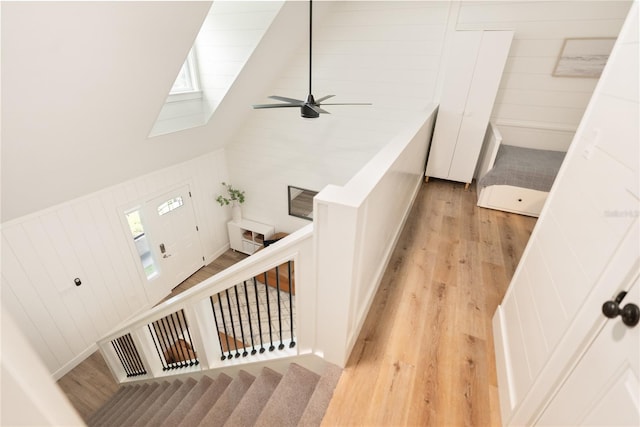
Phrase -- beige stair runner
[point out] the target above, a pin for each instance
(299, 397)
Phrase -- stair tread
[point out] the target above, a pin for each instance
(228, 401)
(142, 407)
(208, 399)
(163, 412)
(124, 406)
(290, 398)
(248, 409)
(319, 401)
(150, 412)
(299, 397)
(180, 411)
(106, 407)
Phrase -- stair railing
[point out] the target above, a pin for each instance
(245, 313)
(334, 267)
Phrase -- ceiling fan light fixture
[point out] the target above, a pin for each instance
(309, 109)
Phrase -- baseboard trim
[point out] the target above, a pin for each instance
(506, 393)
(209, 259)
(74, 362)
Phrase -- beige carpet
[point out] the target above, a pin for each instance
(297, 397)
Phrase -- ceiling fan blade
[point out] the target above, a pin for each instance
(318, 101)
(317, 109)
(256, 107)
(349, 103)
(285, 99)
(310, 108)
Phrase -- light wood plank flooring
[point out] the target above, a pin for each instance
(425, 354)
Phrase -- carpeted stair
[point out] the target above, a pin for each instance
(298, 398)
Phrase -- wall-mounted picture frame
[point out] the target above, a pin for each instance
(583, 57)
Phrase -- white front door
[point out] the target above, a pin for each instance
(174, 238)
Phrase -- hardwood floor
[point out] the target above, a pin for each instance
(425, 353)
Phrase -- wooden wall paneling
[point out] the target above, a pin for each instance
(102, 272)
(35, 232)
(34, 305)
(38, 230)
(130, 192)
(530, 136)
(101, 207)
(528, 92)
(34, 275)
(546, 82)
(143, 185)
(500, 12)
(117, 278)
(127, 261)
(11, 305)
(93, 286)
(559, 29)
(87, 238)
(540, 114)
(85, 306)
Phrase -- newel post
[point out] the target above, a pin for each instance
(336, 235)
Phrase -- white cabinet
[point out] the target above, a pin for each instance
(248, 236)
(473, 74)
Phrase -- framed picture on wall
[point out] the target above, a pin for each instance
(583, 57)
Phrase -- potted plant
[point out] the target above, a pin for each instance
(235, 199)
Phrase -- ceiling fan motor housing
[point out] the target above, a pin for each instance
(308, 113)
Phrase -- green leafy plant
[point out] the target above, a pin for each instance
(234, 195)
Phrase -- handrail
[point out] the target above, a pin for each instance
(339, 262)
(267, 258)
(190, 332)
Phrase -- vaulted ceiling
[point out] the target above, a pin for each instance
(83, 83)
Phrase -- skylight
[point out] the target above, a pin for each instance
(223, 45)
(187, 80)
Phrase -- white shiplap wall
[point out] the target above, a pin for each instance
(386, 53)
(529, 94)
(86, 238)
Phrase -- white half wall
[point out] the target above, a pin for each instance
(356, 230)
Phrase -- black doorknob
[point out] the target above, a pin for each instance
(630, 313)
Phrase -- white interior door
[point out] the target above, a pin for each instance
(174, 237)
(604, 388)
